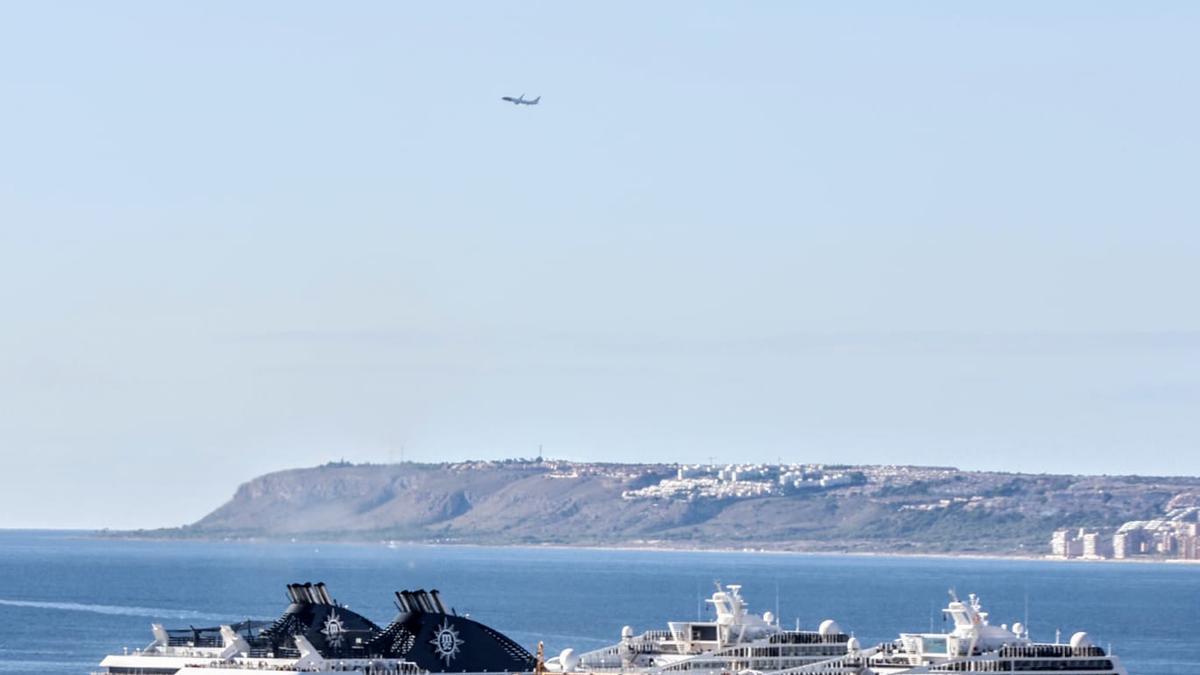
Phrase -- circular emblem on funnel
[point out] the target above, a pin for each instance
(446, 641)
(334, 631)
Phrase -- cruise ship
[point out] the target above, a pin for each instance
(976, 646)
(973, 646)
(735, 640)
(316, 634)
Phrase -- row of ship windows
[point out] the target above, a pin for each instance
(1059, 665)
(775, 652)
(775, 664)
(1097, 664)
(803, 649)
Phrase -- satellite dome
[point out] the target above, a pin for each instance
(1018, 628)
(568, 660)
(829, 627)
(1080, 639)
(852, 645)
(627, 632)
(768, 617)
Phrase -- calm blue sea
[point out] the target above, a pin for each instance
(66, 599)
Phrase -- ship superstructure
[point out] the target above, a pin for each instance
(973, 646)
(733, 641)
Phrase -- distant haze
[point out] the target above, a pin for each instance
(239, 237)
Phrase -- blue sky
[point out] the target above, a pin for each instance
(238, 237)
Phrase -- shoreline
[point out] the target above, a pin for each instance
(629, 547)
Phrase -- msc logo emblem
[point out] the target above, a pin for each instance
(334, 631)
(446, 641)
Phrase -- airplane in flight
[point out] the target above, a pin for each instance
(521, 100)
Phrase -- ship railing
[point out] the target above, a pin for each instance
(806, 638)
(652, 636)
(1050, 651)
(852, 660)
(644, 638)
(609, 658)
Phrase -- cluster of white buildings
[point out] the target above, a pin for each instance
(742, 481)
(1164, 537)
(1081, 543)
(1177, 535)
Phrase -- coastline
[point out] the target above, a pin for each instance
(627, 546)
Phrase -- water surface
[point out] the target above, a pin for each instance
(67, 599)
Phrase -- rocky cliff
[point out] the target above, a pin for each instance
(901, 509)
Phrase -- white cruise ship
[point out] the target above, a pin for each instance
(734, 641)
(973, 646)
(976, 646)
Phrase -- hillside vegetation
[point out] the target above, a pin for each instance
(885, 509)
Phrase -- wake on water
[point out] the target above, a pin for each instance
(117, 610)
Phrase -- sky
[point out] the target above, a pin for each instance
(241, 237)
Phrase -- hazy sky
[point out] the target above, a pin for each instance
(244, 236)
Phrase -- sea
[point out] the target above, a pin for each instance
(68, 598)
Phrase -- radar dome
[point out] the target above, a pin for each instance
(829, 627)
(852, 645)
(768, 617)
(1018, 628)
(568, 660)
(627, 632)
(1080, 639)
